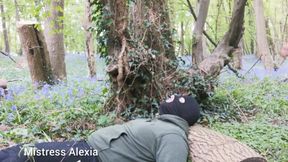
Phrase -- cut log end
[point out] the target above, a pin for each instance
(207, 146)
(22, 23)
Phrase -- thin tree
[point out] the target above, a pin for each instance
(55, 39)
(17, 10)
(262, 51)
(182, 41)
(89, 38)
(4, 28)
(197, 38)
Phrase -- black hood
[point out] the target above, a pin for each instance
(185, 107)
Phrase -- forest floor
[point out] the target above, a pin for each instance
(253, 110)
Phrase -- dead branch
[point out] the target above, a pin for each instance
(195, 18)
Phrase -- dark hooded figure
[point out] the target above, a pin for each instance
(163, 139)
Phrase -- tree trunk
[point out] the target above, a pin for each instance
(118, 68)
(147, 28)
(55, 40)
(207, 145)
(156, 31)
(17, 10)
(4, 28)
(220, 57)
(17, 14)
(35, 49)
(197, 38)
(89, 39)
(182, 41)
(261, 37)
(145, 76)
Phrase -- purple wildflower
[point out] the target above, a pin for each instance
(10, 117)
(9, 96)
(80, 92)
(45, 89)
(2, 92)
(70, 92)
(14, 108)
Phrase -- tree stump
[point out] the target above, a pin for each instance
(207, 145)
(3, 83)
(35, 49)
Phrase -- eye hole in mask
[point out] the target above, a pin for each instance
(182, 100)
(171, 99)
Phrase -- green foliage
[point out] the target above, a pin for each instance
(62, 111)
(65, 111)
(101, 19)
(270, 140)
(255, 112)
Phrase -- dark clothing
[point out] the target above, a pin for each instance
(16, 154)
(163, 139)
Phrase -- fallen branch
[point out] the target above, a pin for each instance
(235, 71)
(8, 55)
(195, 18)
(252, 66)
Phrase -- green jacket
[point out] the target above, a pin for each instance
(163, 139)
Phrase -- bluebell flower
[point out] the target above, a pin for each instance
(70, 92)
(9, 96)
(80, 92)
(10, 117)
(2, 92)
(13, 107)
(37, 96)
(45, 89)
(18, 89)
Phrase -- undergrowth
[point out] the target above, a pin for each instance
(252, 111)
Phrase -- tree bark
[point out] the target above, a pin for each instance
(140, 78)
(197, 38)
(55, 39)
(17, 10)
(4, 28)
(35, 49)
(118, 68)
(212, 65)
(156, 31)
(207, 145)
(261, 36)
(89, 39)
(182, 41)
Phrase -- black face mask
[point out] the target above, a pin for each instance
(185, 107)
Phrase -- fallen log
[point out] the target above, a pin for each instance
(207, 145)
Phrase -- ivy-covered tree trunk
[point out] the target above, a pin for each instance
(116, 11)
(138, 44)
(141, 74)
(150, 22)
